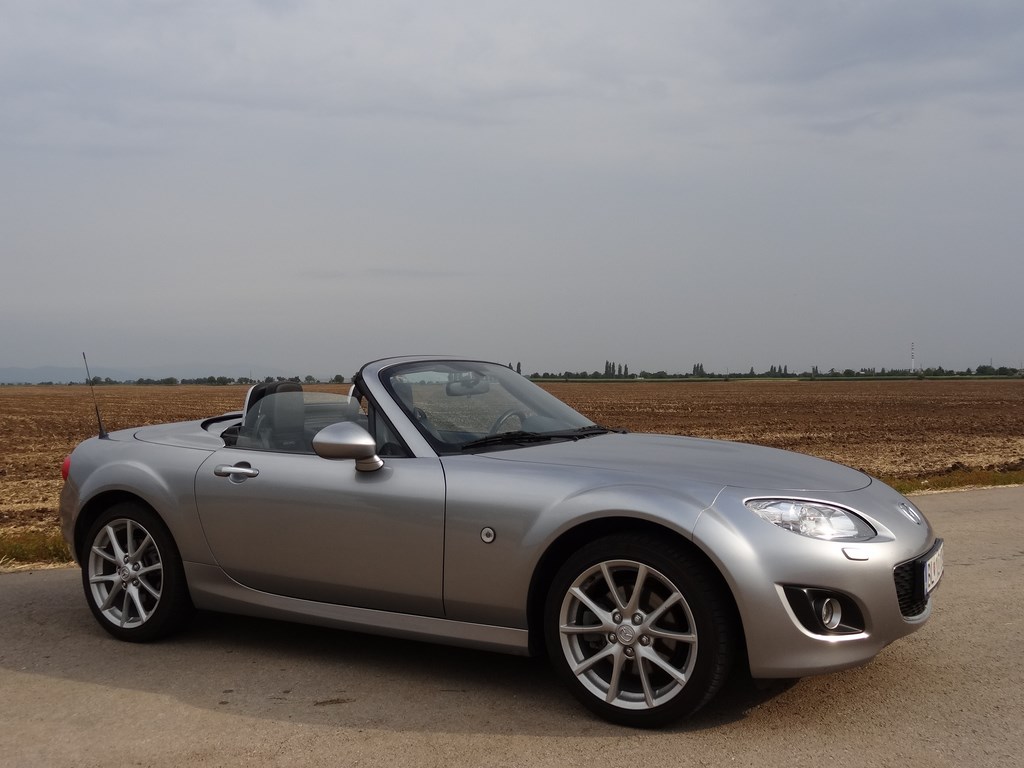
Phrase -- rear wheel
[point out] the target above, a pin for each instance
(132, 574)
(640, 630)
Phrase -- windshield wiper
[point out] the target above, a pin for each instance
(514, 437)
(588, 431)
(521, 437)
(595, 429)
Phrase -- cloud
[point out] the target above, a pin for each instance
(379, 274)
(646, 177)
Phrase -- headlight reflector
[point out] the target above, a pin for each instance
(811, 518)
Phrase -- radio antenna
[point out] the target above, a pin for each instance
(95, 402)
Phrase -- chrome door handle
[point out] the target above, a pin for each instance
(226, 470)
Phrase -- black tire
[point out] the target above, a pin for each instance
(646, 657)
(132, 575)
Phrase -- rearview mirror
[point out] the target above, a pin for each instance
(470, 385)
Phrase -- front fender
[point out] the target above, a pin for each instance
(487, 580)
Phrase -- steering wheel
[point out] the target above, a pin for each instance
(505, 416)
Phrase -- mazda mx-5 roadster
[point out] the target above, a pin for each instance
(456, 501)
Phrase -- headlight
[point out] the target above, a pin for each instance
(809, 518)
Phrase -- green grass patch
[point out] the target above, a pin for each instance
(33, 547)
(957, 479)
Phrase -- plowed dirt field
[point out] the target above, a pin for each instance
(892, 429)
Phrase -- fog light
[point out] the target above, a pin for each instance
(825, 612)
(831, 613)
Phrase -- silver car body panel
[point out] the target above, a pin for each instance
(214, 590)
(403, 550)
(161, 475)
(682, 462)
(488, 581)
(366, 539)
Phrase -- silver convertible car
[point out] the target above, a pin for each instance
(455, 501)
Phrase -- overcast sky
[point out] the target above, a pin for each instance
(310, 185)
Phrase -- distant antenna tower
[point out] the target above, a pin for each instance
(912, 364)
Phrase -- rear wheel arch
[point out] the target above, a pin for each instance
(95, 507)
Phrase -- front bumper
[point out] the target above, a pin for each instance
(770, 570)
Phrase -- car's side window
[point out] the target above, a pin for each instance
(389, 444)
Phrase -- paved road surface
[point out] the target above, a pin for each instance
(234, 691)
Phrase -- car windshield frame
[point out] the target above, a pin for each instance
(462, 406)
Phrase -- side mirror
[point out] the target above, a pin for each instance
(346, 440)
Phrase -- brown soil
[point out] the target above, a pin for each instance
(891, 429)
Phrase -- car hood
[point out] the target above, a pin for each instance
(668, 459)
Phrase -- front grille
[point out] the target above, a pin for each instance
(907, 589)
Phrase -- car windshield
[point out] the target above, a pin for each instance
(469, 406)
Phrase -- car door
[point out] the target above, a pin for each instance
(299, 525)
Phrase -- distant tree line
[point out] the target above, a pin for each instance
(614, 371)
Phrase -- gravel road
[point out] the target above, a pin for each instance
(233, 691)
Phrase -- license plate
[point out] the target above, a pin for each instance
(933, 571)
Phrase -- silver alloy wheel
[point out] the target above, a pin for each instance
(126, 573)
(628, 634)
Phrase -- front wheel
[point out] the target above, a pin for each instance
(132, 574)
(640, 630)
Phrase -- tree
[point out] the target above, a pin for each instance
(519, 368)
(338, 379)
